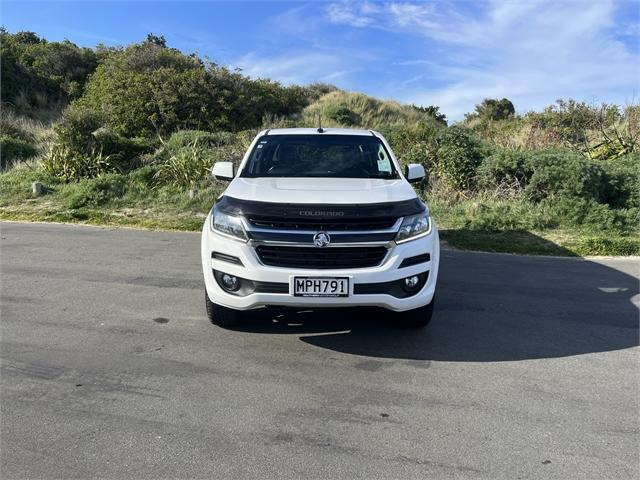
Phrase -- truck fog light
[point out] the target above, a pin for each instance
(411, 283)
(229, 282)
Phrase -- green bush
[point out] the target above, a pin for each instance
(572, 120)
(76, 128)
(609, 245)
(38, 74)
(67, 164)
(459, 154)
(187, 157)
(371, 112)
(415, 143)
(184, 166)
(575, 191)
(508, 215)
(14, 149)
(564, 174)
(148, 89)
(506, 169)
(84, 147)
(586, 212)
(98, 192)
(493, 109)
(343, 115)
(622, 181)
(110, 143)
(543, 175)
(432, 114)
(185, 138)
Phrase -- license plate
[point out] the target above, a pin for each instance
(321, 287)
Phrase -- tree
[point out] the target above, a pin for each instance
(493, 109)
(38, 74)
(433, 112)
(149, 88)
(158, 41)
(28, 38)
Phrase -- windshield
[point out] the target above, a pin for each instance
(332, 156)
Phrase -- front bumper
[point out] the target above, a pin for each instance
(253, 269)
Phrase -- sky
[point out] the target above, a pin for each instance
(447, 53)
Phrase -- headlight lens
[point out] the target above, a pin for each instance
(414, 226)
(227, 224)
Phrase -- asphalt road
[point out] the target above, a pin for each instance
(110, 369)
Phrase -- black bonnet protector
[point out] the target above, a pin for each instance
(324, 211)
(297, 222)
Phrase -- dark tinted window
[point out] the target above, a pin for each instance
(333, 156)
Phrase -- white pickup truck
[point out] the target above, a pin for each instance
(318, 218)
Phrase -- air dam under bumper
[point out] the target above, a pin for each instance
(252, 269)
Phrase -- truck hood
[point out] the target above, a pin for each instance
(338, 191)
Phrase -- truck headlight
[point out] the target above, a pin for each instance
(227, 224)
(414, 227)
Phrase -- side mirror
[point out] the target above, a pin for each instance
(414, 172)
(222, 171)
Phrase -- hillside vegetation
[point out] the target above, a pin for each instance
(127, 135)
(349, 109)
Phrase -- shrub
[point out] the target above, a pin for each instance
(98, 192)
(414, 143)
(506, 170)
(148, 88)
(459, 154)
(185, 138)
(110, 143)
(37, 74)
(76, 128)
(543, 175)
(371, 112)
(14, 149)
(564, 174)
(622, 181)
(91, 148)
(432, 114)
(184, 166)
(585, 212)
(606, 246)
(12, 126)
(316, 90)
(68, 164)
(343, 115)
(507, 215)
(493, 109)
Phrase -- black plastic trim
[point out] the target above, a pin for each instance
(247, 287)
(271, 287)
(223, 257)
(393, 288)
(410, 261)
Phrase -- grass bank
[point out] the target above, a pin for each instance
(478, 223)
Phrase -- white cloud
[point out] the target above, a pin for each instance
(356, 15)
(531, 52)
(289, 69)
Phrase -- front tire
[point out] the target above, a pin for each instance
(219, 315)
(418, 317)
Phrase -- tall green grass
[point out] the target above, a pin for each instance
(368, 112)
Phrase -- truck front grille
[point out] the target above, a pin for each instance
(321, 258)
